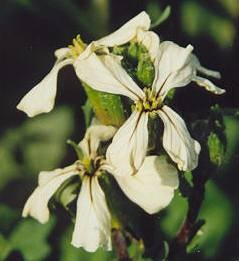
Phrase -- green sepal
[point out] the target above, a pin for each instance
(162, 18)
(67, 193)
(88, 113)
(77, 149)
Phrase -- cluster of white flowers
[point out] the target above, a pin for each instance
(149, 181)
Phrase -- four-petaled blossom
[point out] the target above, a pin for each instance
(175, 66)
(41, 98)
(152, 188)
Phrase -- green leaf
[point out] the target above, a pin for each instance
(218, 218)
(173, 216)
(36, 145)
(5, 248)
(136, 251)
(219, 28)
(30, 238)
(107, 107)
(68, 252)
(8, 217)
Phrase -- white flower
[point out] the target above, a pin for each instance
(152, 188)
(41, 98)
(93, 223)
(174, 67)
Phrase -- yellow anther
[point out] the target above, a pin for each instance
(77, 47)
(150, 102)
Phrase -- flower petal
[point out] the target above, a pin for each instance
(208, 85)
(152, 187)
(36, 205)
(93, 225)
(127, 32)
(177, 141)
(127, 151)
(202, 81)
(61, 53)
(172, 67)
(105, 73)
(151, 41)
(41, 98)
(94, 135)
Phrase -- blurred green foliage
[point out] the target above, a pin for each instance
(31, 30)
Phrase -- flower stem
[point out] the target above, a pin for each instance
(120, 245)
(191, 226)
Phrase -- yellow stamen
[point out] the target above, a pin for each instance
(77, 47)
(150, 103)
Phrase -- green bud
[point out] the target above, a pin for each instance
(145, 70)
(170, 94)
(216, 149)
(133, 50)
(119, 50)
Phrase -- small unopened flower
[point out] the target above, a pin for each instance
(152, 188)
(175, 66)
(41, 98)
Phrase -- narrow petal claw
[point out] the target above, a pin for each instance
(127, 151)
(152, 187)
(41, 98)
(208, 85)
(177, 141)
(93, 225)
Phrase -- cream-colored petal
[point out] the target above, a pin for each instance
(152, 187)
(93, 223)
(177, 141)
(94, 135)
(127, 151)
(151, 41)
(61, 53)
(127, 32)
(105, 73)
(46, 177)
(41, 98)
(173, 67)
(37, 204)
(208, 85)
(203, 70)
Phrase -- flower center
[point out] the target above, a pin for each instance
(77, 47)
(90, 167)
(151, 102)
